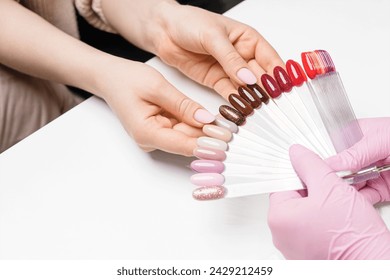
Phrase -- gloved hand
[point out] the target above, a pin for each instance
(334, 221)
(374, 148)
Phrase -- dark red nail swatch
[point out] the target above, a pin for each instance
(261, 93)
(283, 79)
(240, 104)
(270, 85)
(249, 96)
(296, 73)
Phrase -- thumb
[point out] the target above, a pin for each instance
(311, 169)
(183, 108)
(368, 150)
(231, 61)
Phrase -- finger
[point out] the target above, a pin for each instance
(267, 57)
(278, 198)
(312, 170)
(188, 130)
(256, 68)
(172, 141)
(224, 87)
(231, 61)
(370, 149)
(371, 194)
(182, 107)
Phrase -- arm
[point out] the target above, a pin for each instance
(151, 110)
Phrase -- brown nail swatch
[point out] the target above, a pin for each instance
(250, 97)
(240, 104)
(231, 114)
(261, 93)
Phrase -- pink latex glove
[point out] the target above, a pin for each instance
(334, 221)
(374, 148)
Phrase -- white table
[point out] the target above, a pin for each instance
(80, 188)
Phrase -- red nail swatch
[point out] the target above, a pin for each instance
(282, 79)
(270, 85)
(296, 73)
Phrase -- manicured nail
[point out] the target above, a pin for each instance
(207, 166)
(208, 142)
(296, 73)
(270, 85)
(203, 116)
(240, 104)
(326, 61)
(207, 179)
(246, 76)
(250, 97)
(261, 93)
(232, 114)
(282, 79)
(207, 153)
(222, 122)
(217, 132)
(209, 193)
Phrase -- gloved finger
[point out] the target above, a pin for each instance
(182, 107)
(278, 198)
(371, 149)
(371, 194)
(312, 170)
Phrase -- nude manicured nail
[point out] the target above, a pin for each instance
(209, 193)
(217, 132)
(207, 166)
(207, 179)
(203, 116)
(207, 153)
(222, 122)
(246, 76)
(208, 142)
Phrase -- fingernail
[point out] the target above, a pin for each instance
(217, 132)
(203, 116)
(240, 104)
(282, 79)
(246, 76)
(207, 153)
(296, 73)
(222, 122)
(261, 93)
(326, 60)
(232, 114)
(207, 179)
(208, 142)
(207, 166)
(270, 85)
(250, 97)
(209, 193)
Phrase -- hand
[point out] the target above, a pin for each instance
(211, 49)
(214, 50)
(152, 111)
(334, 221)
(373, 148)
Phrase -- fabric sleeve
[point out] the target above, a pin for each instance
(92, 11)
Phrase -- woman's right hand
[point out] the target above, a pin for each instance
(152, 110)
(373, 148)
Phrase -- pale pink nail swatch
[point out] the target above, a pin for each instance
(222, 122)
(217, 132)
(246, 76)
(203, 116)
(208, 142)
(207, 153)
(207, 179)
(207, 166)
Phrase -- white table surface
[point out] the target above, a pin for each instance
(80, 188)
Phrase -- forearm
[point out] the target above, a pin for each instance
(33, 46)
(140, 22)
